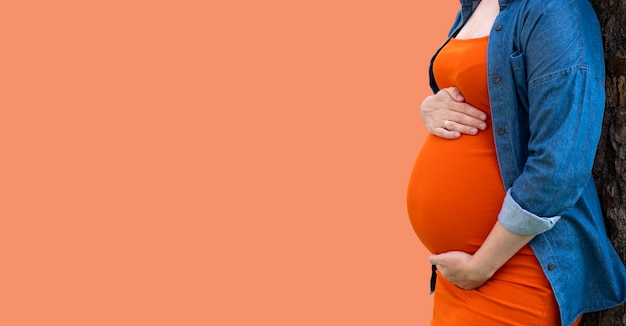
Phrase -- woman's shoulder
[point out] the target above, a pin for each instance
(557, 17)
(567, 31)
(551, 8)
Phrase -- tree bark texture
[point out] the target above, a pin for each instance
(610, 165)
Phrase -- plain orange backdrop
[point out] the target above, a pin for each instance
(212, 162)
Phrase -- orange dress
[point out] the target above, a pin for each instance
(454, 197)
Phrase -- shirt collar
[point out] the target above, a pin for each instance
(474, 3)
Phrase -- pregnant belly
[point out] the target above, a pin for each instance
(455, 192)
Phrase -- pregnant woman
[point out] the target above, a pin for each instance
(501, 192)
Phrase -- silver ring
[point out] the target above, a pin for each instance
(445, 124)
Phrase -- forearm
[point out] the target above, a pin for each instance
(500, 245)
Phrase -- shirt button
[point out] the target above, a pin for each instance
(551, 266)
(496, 79)
(501, 131)
(498, 27)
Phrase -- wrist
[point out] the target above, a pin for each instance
(481, 270)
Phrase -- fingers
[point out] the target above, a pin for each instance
(448, 105)
(445, 133)
(468, 115)
(463, 108)
(453, 266)
(464, 126)
(454, 93)
(450, 129)
(438, 259)
(433, 259)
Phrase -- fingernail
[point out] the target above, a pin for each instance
(482, 126)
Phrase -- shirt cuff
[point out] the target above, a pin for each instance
(518, 220)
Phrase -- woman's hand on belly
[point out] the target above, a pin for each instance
(471, 271)
(457, 267)
(446, 115)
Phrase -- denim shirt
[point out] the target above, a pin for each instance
(545, 73)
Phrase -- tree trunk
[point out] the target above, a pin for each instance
(610, 165)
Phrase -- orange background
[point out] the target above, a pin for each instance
(230, 163)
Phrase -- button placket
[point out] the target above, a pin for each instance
(496, 79)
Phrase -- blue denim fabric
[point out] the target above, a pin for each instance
(546, 88)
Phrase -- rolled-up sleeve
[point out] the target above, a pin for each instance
(518, 220)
